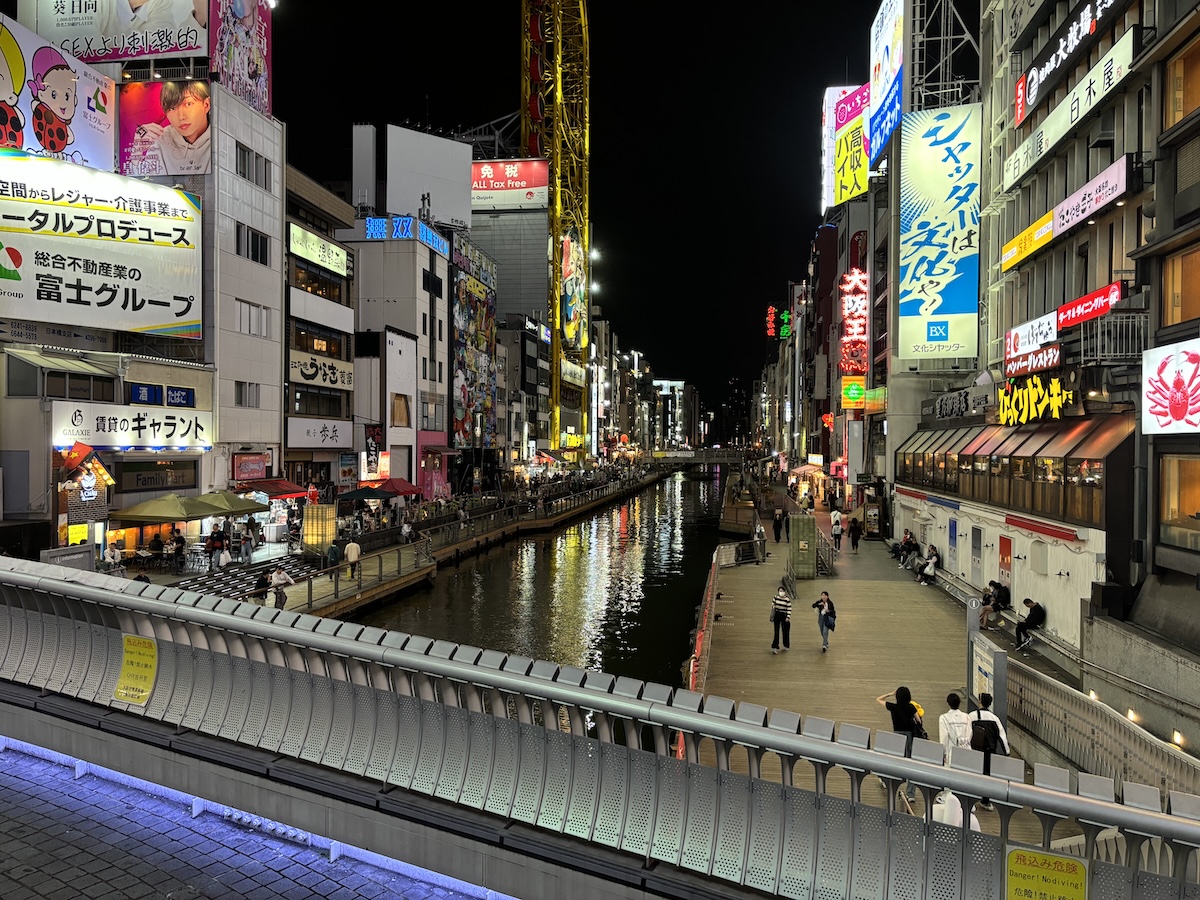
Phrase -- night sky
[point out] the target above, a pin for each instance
(704, 141)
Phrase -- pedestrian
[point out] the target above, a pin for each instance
(787, 528)
(1035, 617)
(333, 556)
(954, 726)
(836, 531)
(826, 618)
(177, 557)
(781, 620)
(352, 552)
(898, 546)
(278, 579)
(261, 586)
(777, 524)
(856, 531)
(247, 548)
(906, 720)
(988, 737)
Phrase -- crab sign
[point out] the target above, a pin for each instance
(1176, 400)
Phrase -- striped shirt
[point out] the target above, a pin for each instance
(781, 603)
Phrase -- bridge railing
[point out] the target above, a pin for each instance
(578, 752)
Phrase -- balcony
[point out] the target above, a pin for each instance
(1116, 339)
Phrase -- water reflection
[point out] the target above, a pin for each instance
(617, 591)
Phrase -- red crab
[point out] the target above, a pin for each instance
(1178, 401)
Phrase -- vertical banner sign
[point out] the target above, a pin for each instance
(887, 75)
(939, 233)
(850, 146)
(239, 49)
(770, 321)
(374, 440)
(828, 135)
(854, 323)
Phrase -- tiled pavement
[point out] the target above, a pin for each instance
(77, 839)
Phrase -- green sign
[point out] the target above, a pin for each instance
(863, 478)
(854, 391)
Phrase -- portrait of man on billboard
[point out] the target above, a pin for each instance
(117, 19)
(165, 128)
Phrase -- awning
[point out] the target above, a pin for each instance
(968, 435)
(275, 488)
(554, 455)
(917, 437)
(1107, 437)
(984, 437)
(1068, 438)
(444, 451)
(806, 469)
(74, 364)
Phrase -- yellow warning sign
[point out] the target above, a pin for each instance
(1038, 875)
(139, 664)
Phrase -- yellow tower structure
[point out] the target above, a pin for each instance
(554, 124)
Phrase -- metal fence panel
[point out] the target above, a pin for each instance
(733, 827)
(478, 779)
(433, 746)
(383, 735)
(457, 725)
(245, 683)
(408, 744)
(906, 861)
(559, 750)
(363, 728)
(301, 687)
(279, 710)
(505, 760)
(671, 812)
(766, 837)
(641, 801)
(531, 775)
(834, 819)
(701, 819)
(797, 870)
(614, 795)
(341, 726)
(585, 788)
(181, 683)
(869, 876)
(1110, 882)
(983, 866)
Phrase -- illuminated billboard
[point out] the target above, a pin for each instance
(573, 294)
(938, 279)
(887, 74)
(1028, 242)
(97, 32)
(1171, 389)
(97, 249)
(473, 352)
(165, 128)
(828, 137)
(239, 49)
(850, 163)
(510, 184)
(53, 105)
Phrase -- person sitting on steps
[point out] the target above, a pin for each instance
(1035, 617)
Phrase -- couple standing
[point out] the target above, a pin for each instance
(781, 619)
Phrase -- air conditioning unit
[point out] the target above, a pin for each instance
(1103, 132)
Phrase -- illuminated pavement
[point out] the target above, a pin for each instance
(74, 839)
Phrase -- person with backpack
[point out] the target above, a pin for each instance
(954, 726)
(907, 719)
(987, 736)
(333, 556)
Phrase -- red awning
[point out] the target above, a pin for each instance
(275, 488)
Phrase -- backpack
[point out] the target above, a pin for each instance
(985, 734)
(918, 727)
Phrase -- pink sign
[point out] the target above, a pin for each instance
(852, 106)
(1092, 197)
(164, 128)
(239, 42)
(1090, 306)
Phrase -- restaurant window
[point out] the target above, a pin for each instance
(1085, 491)
(1181, 287)
(401, 415)
(1179, 501)
(314, 401)
(1183, 85)
(323, 341)
(316, 280)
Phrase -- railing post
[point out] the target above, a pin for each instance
(310, 597)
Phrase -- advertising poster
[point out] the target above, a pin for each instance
(239, 39)
(510, 184)
(98, 250)
(251, 466)
(939, 233)
(164, 128)
(1171, 389)
(850, 154)
(96, 31)
(573, 293)
(828, 135)
(53, 105)
(474, 358)
(887, 75)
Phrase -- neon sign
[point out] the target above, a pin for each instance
(785, 324)
(770, 321)
(827, 421)
(854, 323)
(400, 228)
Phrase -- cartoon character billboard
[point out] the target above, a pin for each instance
(474, 347)
(98, 31)
(573, 293)
(165, 128)
(239, 37)
(53, 105)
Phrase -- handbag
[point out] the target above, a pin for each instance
(830, 622)
(226, 558)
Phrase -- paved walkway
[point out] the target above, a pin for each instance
(69, 839)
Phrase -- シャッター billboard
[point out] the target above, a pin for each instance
(239, 49)
(53, 105)
(165, 128)
(939, 238)
(97, 249)
(97, 31)
(510, 183)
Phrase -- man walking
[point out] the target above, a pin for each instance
(987, 736)
(352, 552)
(954, 726)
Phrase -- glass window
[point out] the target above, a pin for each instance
(253, 167)
(253, 319)
(316, 280)
(56, 384)
(401, 416)
(253, 245)
(1181, 287)
(22, 378)
(1183, 85)
(323, 341)
(1179, 501)
(313, 401)
(245, 393)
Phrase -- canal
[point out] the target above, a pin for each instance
(617, 591)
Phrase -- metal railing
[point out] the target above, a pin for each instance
(826, 555)
(1119, 337)
(575, 752)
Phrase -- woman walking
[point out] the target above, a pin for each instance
(781, 620)
(906, 720)
(835, 530)
(856, 531)
(826, 618)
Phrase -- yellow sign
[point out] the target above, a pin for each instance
(1029, 241)
(1032, 400)
(1044, 876)
(854, 391)
(77, 534)
(849, 162)
(139, 664)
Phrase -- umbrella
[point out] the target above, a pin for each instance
(171, 508)
(232, 503)
(398, 487)
(365, 493)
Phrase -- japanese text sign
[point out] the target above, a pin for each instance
(1092, 89)
(887, 74)
(97, 249)
(405, 228)
(322, 371)
(785, 324)
(510, 184)
(109, 426)
(314, 248)
(1090, 306)
(1093, 196)
(850, 163)
(239, 49)
(828, 137)
(1022, 17)
(1171, 389)
(1031, 335)
(854, 391)
(855, 351)
(139, 666)
(1078, 33)
(1036, 873)
(334, 434)
(1029, 241)
(938, 278)
(97, 32)
(1040, 360)
(771, 321)
(69, 110)
(1034, 400)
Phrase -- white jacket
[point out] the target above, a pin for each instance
(352, 552)
(954, 730)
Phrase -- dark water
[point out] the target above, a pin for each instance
(617, 591)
